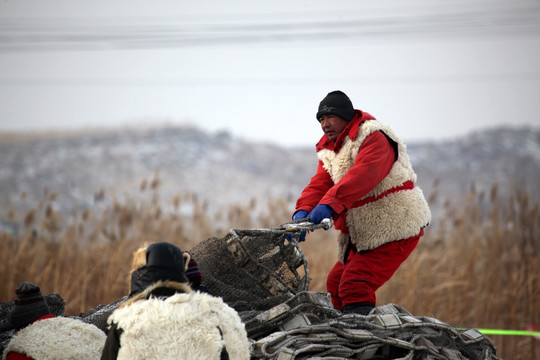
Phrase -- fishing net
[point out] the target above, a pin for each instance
(255, 269)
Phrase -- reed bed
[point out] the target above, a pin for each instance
(476, 268)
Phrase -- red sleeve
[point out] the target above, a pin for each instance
(316, 189)
(374, 161)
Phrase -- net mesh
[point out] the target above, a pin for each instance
(252, 269)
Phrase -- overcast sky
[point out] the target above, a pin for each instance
(430, 69)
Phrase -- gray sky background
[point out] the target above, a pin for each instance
(431, 69)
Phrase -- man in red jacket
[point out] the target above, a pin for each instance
(365, 182)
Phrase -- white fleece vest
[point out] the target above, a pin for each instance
(184, 326)
(395, 216)
(58, 338)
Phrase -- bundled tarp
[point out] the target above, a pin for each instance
(388, 332)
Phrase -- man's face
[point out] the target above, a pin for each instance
(332, 125)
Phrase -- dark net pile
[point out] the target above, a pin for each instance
(307, 329)
(265, 278)
(252, 269)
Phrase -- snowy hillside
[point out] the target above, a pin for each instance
(90, 168)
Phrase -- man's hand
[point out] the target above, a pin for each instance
(300, 214)
(320, 212)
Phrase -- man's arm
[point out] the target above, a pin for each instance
(315, 190)
(374, 161)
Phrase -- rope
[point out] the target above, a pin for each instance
(506, 332)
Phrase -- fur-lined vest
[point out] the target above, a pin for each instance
(58, 338)
(186, 325)
(395, 209)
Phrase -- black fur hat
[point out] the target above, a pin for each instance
(164, 261)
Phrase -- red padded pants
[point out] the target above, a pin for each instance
(365, 272)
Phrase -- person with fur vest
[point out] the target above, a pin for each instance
(366, 184)
(163, 318)
(40, 336)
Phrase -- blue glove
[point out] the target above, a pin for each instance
(302, 236)
(300, 214)
(321, 211)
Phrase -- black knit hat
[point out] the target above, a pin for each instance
(336, 103)
(164, 261)
(29, 306)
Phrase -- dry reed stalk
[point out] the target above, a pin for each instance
(477, 267)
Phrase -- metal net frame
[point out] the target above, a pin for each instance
(255, 269)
